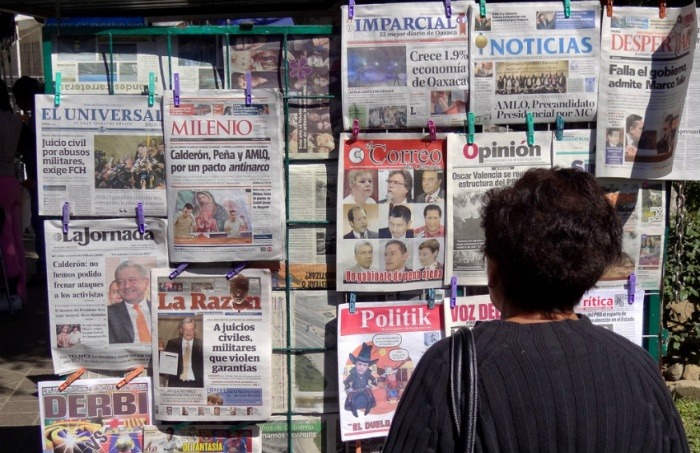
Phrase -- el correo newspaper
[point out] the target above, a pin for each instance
(405, 66)
(493, 160)
(201, 438)
(93, 415)
(97, 274)
(102, 154)
(535, 60)
(391, 212)
(379, 346)
(224, 165)
(646, 64)
(310, 434)
(212, 345)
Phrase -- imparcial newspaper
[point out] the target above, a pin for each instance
(405, 66)
(646, 65)
(201, 438)
(492, 160)
(93, 415)
(212, 345)
(224, 165)
(534, 59)
(379, 346)
(101, 154)
(97, 272)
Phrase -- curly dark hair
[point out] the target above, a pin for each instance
(551, 235)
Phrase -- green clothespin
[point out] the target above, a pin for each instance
(351, 305)
(57, 90)
(530, 128)
(482, 8)
(471, 118)
(559, 134)
(151, 89)
(567, 8)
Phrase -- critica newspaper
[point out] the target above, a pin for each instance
(405, 65)
(97, 273)
(212, 345)
(201, 438)
(492, 161)
(646, 65)
(379, 346)
(532, 58)
(102, 154)
(224, 165)
(616, 310)
(93, 415)
(391, 212)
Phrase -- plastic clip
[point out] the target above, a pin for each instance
(609, 8)
(431, 298)
(351, 9)
(662, 9)
(65, 214)
(151, 88)
(631, 288)
(130, 376)
(57, 91)
(448, 8)
(431, 130)
(559, 134)
(248, 93)
(470, 127)
(482, 8)
(178, 270)
(176, 89)
(70, 379)
(567, 8)
(355, 129)
(530, 118)
(351, 305)
(139, 217)
(236, 270)
(453, 292)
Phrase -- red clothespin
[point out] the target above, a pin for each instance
(662, 9)
(355, 129)
(70, 379)
(609, 8)
(130, 376)
(431, 129)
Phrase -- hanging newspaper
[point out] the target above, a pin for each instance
(616, 310)
(405, 66)
(310, 434)
(641, 206)
(379, 346)
(468, 311)
(97, 274)
(238, 214)
(646, 63)
(319, 181)
(201, 438)
(280, 372)
(198, 61)
(93, 415)
(311, 256)
(547, 67)
(212, 345)
(390, 227)
(493, 160)
(102, 154)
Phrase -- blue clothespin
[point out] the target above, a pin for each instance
(351, 305)
(248, 94)
(471, 119)
(351, 9)
(567, 8)
(453, 292)
(482, 8)
(57, 90)
(178, 270)
(431, 298)
(176, 89)
(140, 218)
(530, 118)
(448, 8)
(355, 129)
(631, 287)
(431, 130)
(65, 216)
(560, 128)
(236, 270)
(151, 88)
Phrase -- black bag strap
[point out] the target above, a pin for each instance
(463, 373)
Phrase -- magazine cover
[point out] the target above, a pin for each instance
(201, 438)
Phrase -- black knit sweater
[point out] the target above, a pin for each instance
(564, 386)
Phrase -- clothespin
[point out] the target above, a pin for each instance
(351, 305)
(662, 9)
(355, 129)
(151, 88)
(248, 94)
(482, 8)
(236, 270)
(70, 379)
(351, 9)
(176, 89)
(431, 298)
(65, 216)
(453, 292)
(57, 90)
(530, 118)
(130, 376)
(470, 127)
(448, 8)
(139, 217)
(178, 270)
(631, 287)
(567, 8)
(431, 130)
(609, 8)
(560, 128)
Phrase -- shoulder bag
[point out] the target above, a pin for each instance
(463, 380)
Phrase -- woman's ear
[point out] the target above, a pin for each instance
(494, 283)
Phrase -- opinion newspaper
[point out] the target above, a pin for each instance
(230, 372)
(535, 60)
(493, 160)
(224, 165)
(647, 63)
(405, 66)
(102, 154)
(82, 286)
